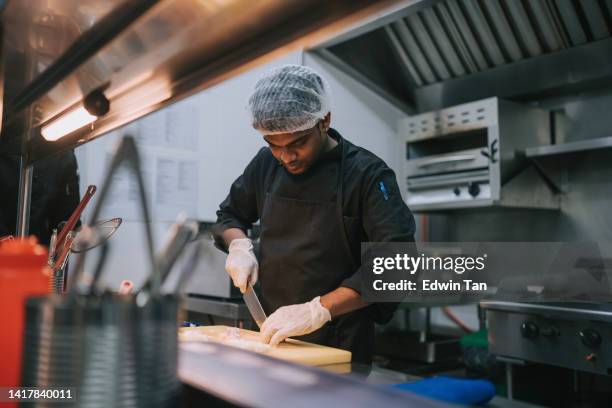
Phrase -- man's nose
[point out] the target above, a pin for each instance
(287, 157)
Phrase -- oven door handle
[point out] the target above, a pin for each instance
(447, 160)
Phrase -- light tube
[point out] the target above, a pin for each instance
(66, 124)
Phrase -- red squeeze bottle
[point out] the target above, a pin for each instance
(23, 273)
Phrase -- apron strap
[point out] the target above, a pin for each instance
(339, 209)
(339, 204)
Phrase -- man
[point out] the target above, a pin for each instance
(55, 194)
(317, 197)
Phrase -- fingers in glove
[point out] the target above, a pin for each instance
(278, 337)
(242, 285)
(253, 277)
(268, 329)
(240, 279)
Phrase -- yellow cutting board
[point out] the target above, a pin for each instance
(292, 350)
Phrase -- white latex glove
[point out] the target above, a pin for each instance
(241, 263)
(294, 320)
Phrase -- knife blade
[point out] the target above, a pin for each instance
(252, 303)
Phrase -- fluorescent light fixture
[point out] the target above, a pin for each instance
(67, 123)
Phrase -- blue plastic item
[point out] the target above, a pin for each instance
(455, 390)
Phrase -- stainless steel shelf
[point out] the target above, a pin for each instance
(261, 381)
(229, 309)
(571, 147)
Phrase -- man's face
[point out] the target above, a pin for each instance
(300, 150)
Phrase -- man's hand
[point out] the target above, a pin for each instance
(241, 263)
(294, 320)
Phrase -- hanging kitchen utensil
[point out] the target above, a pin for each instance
(180, 234)
(58, 267)
(74, 217)
(105, 229)
(126, 152)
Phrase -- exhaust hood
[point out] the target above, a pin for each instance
(437, 54)
(140, 55)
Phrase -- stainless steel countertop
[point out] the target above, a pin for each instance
(246, 378)
(249, 379)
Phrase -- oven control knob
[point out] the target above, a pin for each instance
(590, 338)
(473, 189)
(529, 330)
(456, 191)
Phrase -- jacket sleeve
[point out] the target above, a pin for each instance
(4, 229)
(67, 195)
(385, 218)
(239, 209)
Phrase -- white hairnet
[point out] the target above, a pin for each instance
(288, 99)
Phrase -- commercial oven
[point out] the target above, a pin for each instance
(472, 155)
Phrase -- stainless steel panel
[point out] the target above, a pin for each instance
(413, 49)
(340, 64)
(434, 26)
(571, 22)
(406, 62)
(485, 35)
(429, 48)
(524, 29)
(502, 27)
(594, 16)
(553, 336)
(546, 24)
(447, 199)
(547, 74)
(445, 180)
(377, 21)
(464, 28)
(234, 310)
(571, 147)
(453, 40)
(460, 118)
(567, 310)
(450, 162)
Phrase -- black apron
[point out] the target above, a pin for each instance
(304, 253)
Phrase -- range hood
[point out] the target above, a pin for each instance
(140, 55)
(436, 54)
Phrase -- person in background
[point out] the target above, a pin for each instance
(55, 194)
(317, 197)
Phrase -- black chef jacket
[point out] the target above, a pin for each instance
(373, 209)
(55, 194)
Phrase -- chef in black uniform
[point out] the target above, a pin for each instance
(317, 197)
(55, 193)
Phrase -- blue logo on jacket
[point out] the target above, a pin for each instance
(383, 189)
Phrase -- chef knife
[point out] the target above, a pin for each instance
(252, 302)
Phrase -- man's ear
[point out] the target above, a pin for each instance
(326, 121)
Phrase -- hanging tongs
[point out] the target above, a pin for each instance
(59, 247)
(85, 281)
